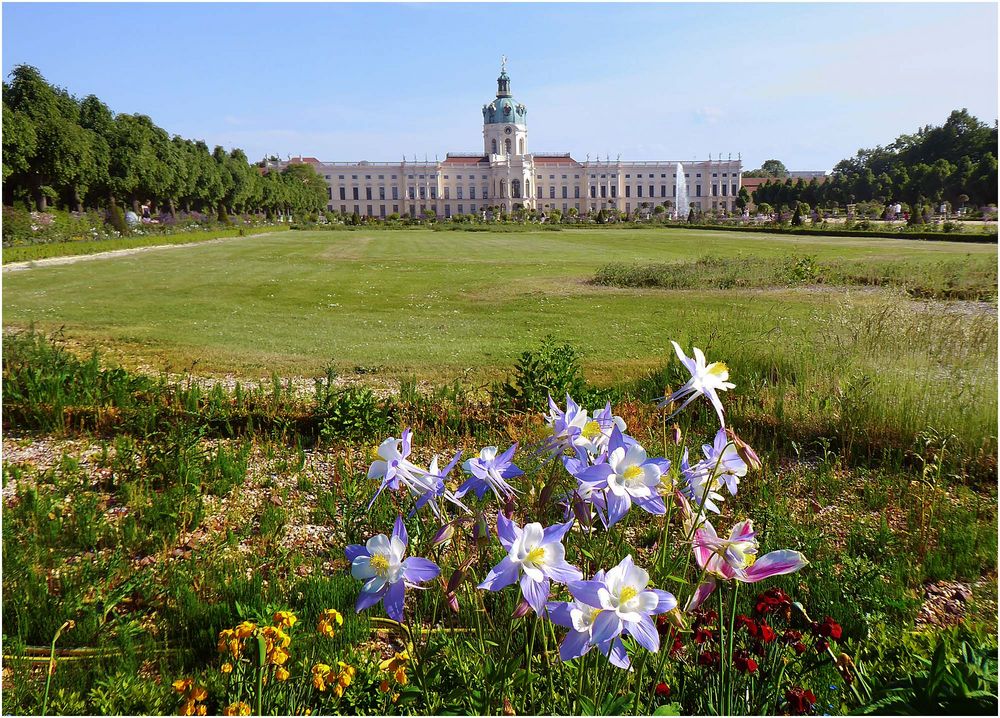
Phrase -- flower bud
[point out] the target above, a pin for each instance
(508, 507)
(745, 451)
(455, 581)
(675, 434)
(481, 530)
(546, 495)
(452, 600)
(581, 511)
(445, 533)
(522, 610)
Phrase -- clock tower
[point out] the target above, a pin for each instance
(505, 129)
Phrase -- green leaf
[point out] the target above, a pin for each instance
(670, 709)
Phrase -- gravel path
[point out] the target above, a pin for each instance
(55, 261)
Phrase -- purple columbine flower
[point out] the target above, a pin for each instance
(623, 605)
(700, 487)
(395, 470)
(723, 461)
(489, 472)
(536, 556)
(736, 558)
(630, 476)
(579, 618)
(386, 574)
(566, 427)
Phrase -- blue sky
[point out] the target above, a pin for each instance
(806, 83)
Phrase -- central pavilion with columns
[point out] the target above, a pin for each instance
(508, 174)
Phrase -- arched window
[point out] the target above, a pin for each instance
(503, 188)
(507, 145)
(520, 146)
(515, 189)
(494, 146)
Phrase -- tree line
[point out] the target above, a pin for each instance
(78, 154)
(953, 163)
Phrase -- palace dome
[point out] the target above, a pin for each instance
(504, 109)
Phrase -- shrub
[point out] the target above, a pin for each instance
(551, 369)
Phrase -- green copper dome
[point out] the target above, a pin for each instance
(504, 109)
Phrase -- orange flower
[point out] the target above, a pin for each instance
(182, 684)
(384, 686)
(237, 709)
(328, 620)
(188, 708)
(227, 667)
(245, 629)
(285, 619)
(281, 674)
(198, 693)
(320, 672)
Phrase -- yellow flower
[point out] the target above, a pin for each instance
(338, 690)
(227, 667)
(319, 673)
(198, 693)
(281, 674)
(345, 675)
(245, 629)
(237, 709)
(225, 637)
(188, 708)
(202, 709)
(285, 619)
(182, 684)
(397, 661)
(278, 657)
(327, 622)
(400, 676)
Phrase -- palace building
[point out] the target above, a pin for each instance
(508, 174)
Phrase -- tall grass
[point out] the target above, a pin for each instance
(971, 277)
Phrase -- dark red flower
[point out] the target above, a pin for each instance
(662, 690)
(677, 647)
(748, 623)
(767, 633)
(743, 662)
(703, 634)
(799, 647)
(800, 701)
(821, 645)
(773, 600)
(791, 636)
(708, 658)
(828, 629)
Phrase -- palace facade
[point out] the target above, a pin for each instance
(508, 174)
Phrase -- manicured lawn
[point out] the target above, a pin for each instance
(423, 302)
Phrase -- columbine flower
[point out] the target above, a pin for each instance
(625, 604)
(534, 554)
(700, 488)
(596, 433)
(630, 477)
(489, 472)
(396, 470)
(380, 564)
(736, 558)
(705, 380)
(723, 461)
(579, 618)
(566, 426)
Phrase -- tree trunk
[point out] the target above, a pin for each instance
(173, 209)
(41, 201)
(77, 200)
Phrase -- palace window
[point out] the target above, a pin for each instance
(355, 190)
(715, 190)
(552, 192)
(343, 193)
(614, 190)
(604, 191)
(369, 212)
(461, 209)
(520, 144)
(576, 193)
(593, 192)
(628, 190)
(638, 190)
(697, 190)
(506, 145)
(381, 193)
(458, 191)
(539, 192)
(395, 193)
(447, 193)
(368, 194)
(565, 189)
(472, 191)
(341, 177)
(652, 191)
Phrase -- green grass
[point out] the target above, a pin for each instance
(422, 302)
(76, 248)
